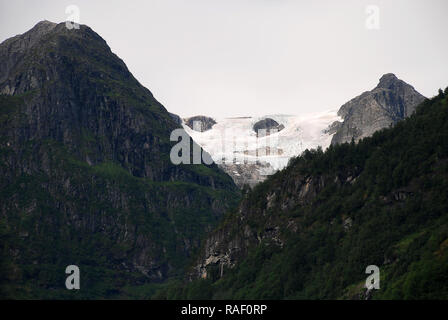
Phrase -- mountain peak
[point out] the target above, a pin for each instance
(22, 42)
(392, 100)
(388, 76)
(69, 99)
(387, 80)
(45, 37)
(45, 23)
(42, 27)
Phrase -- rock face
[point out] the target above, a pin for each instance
(392, 100)
(307, 229)
(248, 173)
(85, 172)
(333, 128)
(226, 246)
(206, 123)
(267, 124)
(239, 151)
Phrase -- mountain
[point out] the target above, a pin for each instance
(389, 102)
(85, 172)
(249, 149)
(249, 157)
(311, 230)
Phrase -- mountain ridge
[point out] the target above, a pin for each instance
(390, 101)
(86, 176)
(310, 230)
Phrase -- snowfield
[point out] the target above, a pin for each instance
(233, 140)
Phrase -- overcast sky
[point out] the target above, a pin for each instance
(256, 57)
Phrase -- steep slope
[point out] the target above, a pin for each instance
(250, 149)
(85, 172)
(390, 101)
(203, 123)
(249, 158)
(310, 230)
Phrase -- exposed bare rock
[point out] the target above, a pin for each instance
(206, 123)
(94, 146)
(333, 128)
(391, 101)
(269, 125)
(347, 223)
(228, 244)
(248, 173)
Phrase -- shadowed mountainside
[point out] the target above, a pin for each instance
(85, 172)
(310, 230)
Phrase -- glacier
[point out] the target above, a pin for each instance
(233, 142)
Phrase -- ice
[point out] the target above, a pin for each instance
(233, 139)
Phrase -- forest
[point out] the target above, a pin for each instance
(383, 202)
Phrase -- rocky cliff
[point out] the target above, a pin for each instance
(310, 230)
(251, 225)
(390, 101)
(248, 174)
(204, 123)
(85, 173)
(268, 125)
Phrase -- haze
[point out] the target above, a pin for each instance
(255, 57)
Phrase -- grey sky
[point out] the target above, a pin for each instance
(257, 57)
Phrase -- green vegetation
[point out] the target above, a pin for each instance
(380, 202)
(46, 241)
(86, 179)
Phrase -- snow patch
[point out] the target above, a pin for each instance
(232, 140)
